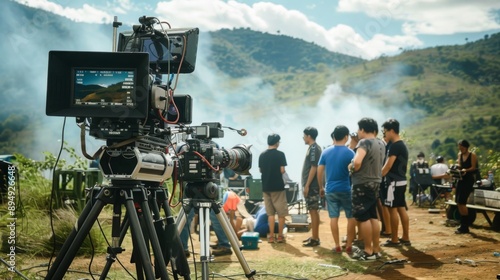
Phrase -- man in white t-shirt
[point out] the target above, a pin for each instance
(438, 172)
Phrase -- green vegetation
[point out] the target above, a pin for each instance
(35, 231)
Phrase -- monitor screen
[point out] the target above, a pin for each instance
(98, 84)
(99, 87)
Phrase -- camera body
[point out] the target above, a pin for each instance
(119, 97)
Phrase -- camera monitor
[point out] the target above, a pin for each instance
(98, 84)
(167, 52)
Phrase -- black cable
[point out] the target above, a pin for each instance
(91, 255)
(52, 194)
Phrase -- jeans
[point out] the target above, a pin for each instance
(223, 241)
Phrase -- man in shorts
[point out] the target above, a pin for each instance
(272, 166)
(394, 171)
(335, 160)
(312, 190)
(366, 169)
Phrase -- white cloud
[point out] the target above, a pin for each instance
(414, 17)
(271, 18)
(86, 13)
(433, 17)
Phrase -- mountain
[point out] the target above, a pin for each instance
(440, 94)
(243, 52)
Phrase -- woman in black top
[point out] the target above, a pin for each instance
(468, 166)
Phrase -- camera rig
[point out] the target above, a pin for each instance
(119, 97)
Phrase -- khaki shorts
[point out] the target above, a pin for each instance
(275, 202)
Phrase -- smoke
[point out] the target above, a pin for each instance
(250, 104)
(29, 35)
(246, 103)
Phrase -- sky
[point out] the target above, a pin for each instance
(367, 29)
(363, 28)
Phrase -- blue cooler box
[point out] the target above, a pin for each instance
(250, 240)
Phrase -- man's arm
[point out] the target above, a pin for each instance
(358, 159)
(320, 173)
(310, 178)
(388, 165)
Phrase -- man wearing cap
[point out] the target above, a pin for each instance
(272, 166)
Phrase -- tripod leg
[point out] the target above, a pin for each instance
(172, 241)
(118, 233)
(138, 236)
(64, 259)
(204, 219)
(71, 237)
(155, 243)
(233, 239)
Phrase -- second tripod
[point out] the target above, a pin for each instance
(203, 204)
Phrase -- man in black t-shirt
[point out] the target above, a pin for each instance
(272, 166)
(394, 171)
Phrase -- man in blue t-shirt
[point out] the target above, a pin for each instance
(335, 160)
(272, 166)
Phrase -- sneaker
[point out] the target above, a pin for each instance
(271, 239)
(222, 251)
(355, 251)
(378, 255)
(281, 239)
(389, 243)
(367, 257)
(312, 243)
(405, 242)
(306, 240)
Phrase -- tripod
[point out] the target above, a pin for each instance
(204, 204)
(160, 234)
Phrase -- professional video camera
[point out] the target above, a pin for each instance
(120, 97)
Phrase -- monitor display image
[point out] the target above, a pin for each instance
(98, 87)
(98, 84)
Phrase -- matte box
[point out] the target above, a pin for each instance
(250, 240)
(487, 198)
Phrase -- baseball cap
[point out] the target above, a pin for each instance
(273, 139)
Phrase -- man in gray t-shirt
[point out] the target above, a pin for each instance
(366, 171)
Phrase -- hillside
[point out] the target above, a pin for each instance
(243, 52)
(449, 92)
(441, 94)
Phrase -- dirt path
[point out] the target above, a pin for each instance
(432, 255)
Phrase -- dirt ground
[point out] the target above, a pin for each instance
(432, 255)
(435, 248)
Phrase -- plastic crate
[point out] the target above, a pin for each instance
(250, 240)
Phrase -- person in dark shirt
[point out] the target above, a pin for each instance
(312, 190)
(272, 166)
(468, 166)
(419, 164)
(394, 171)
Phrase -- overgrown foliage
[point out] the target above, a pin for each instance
(36, 226)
